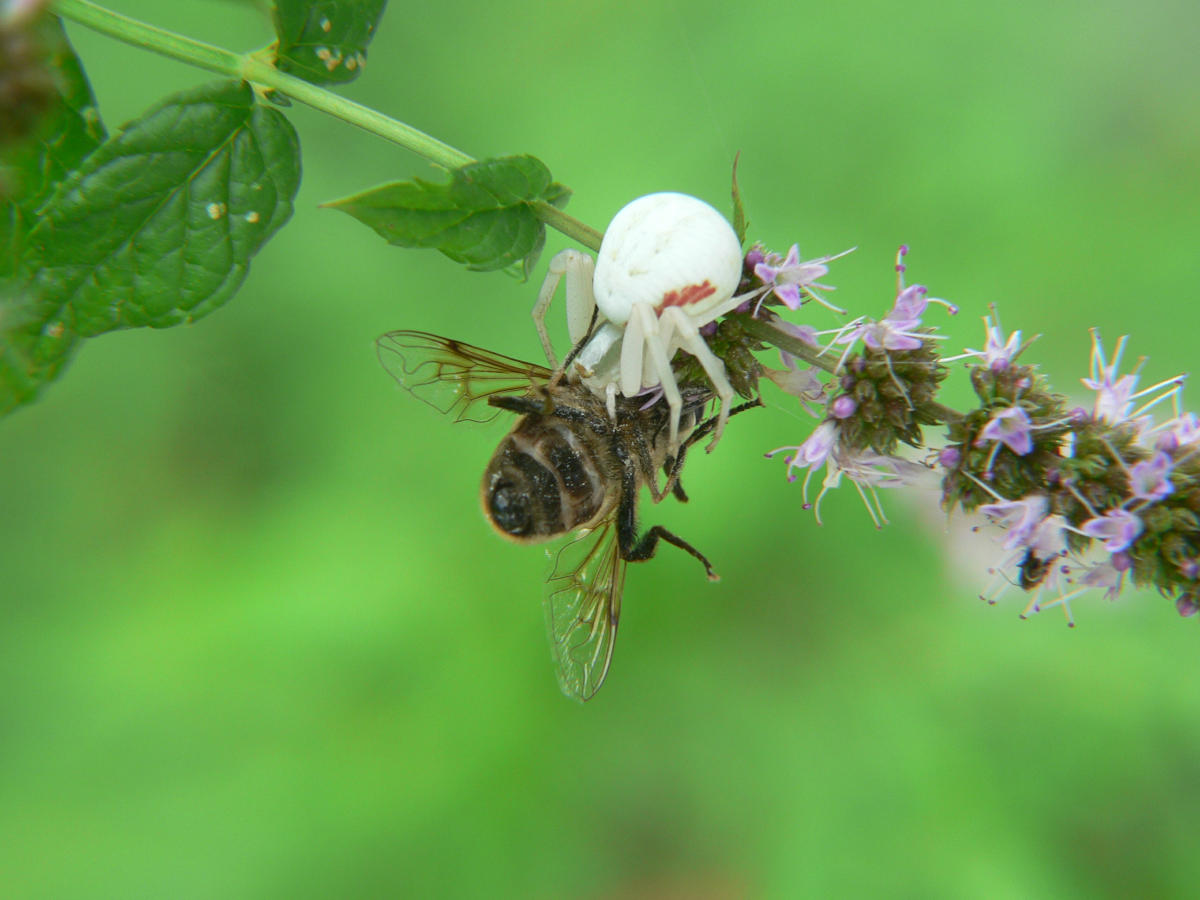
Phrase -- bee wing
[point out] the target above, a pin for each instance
(452, 377)
(583, 605)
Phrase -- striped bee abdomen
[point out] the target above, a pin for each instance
(544, 480)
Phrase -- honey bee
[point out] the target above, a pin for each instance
(566, 466)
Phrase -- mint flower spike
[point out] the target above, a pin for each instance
(1115, 394)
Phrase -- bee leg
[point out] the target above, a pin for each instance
(644, 548)
(678, 491)
(674, 486)
(635, 549)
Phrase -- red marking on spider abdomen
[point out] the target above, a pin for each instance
(693, 293)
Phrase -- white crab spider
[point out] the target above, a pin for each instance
(668, 265)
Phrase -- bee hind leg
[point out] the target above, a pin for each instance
(635, 549)
(645, 547)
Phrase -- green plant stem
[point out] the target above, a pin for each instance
(250, 67)
(769, 334)
(156, 40)
(571, 227)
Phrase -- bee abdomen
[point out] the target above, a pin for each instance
(541, 482)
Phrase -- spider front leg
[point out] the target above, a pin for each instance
(579, 269)
(643, 351)
(682, 328)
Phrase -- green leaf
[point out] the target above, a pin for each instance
(30, 354)
(483, 217)
(156, 227)
(68, 130)
(325, 41)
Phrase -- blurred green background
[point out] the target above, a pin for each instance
(257, 640)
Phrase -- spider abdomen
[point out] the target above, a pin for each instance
(666, 249)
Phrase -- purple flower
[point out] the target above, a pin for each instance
(865, 469)
(1182, 431)
(1151, 478)
(1187, 429)
(898, 330)
(1011, 427)
(997, 353)
(812, 452)
(800, 383)
(819, 445)
(1020, 517)
(910, 304)
(789, 278)
(1121, 561)
(805, 333)
(1105, 575)
(1115, 394)
(882, 335)
(1118, 528)
(950, 457)
(1049, 538)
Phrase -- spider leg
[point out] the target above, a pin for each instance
(693, 342)
(578, 268)
(633, 352)
(647, 335)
